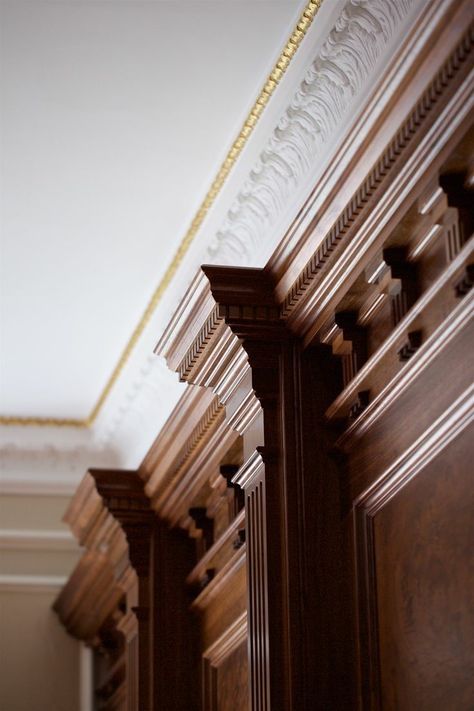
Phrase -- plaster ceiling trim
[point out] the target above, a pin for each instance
(283, 62)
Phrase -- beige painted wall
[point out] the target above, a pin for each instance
(39, 662)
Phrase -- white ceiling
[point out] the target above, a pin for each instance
(115, 116)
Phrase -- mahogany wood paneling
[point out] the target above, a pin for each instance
(299, 536)
(225, 670)
(415, 576)
(422, 541)
(167, 670)
(123, 496)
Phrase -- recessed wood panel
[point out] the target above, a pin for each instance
(232, 681)
(424, 571)
(225, 670)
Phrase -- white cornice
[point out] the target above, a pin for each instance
(51, 468)
(333, 77)
(345, 52)
(321, 106)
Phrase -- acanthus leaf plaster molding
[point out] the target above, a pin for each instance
(339, 72)
(321, 103)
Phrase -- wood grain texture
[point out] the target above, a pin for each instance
(425, 586)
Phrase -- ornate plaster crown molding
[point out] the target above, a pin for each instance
(339, 72)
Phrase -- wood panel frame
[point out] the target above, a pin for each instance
(450, 425)
(216, 654)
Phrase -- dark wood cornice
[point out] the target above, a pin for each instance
(245, 300)
(346, 243)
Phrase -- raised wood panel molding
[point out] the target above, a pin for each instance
(217, 694)
(128, 594)
(123, 496)
(96, 603)
(432, 532)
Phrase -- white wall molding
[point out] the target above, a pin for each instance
(39, 487)
(32, 583)
(344, 57)
(36, 540)
(323, 101)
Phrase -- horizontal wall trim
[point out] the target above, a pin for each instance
(21, 540)
(32, 583)
(37, 487)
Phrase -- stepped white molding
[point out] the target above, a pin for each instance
(343, 61)
(48, 468)
(32, 583)
(41, 487)
(337, 75)
(37, 540)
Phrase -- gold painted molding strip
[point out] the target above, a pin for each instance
(42, 421)
(283, 62)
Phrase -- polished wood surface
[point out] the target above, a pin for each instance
(421, 540)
